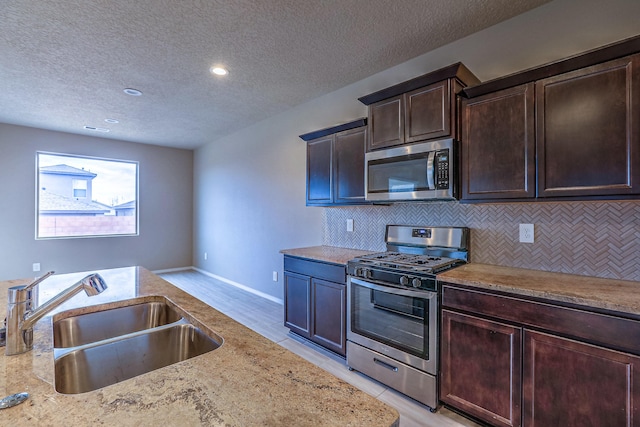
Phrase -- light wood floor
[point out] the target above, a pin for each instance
(267, 318)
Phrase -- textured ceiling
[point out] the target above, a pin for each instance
(64, 63)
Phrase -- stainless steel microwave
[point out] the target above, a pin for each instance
(423, 171)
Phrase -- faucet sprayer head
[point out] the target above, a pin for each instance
(93, 284)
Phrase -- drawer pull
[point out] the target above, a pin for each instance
(385, 364)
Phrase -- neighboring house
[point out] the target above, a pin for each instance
(65, 190)
(54, 204)
(126, 209)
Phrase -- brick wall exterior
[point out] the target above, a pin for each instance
(55, 226)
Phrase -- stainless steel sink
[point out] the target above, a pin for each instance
(101, 348)
(104, 324)
(99, 365)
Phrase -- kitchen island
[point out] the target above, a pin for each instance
(247, 381)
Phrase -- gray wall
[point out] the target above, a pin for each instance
(249, 187)
(166, 207)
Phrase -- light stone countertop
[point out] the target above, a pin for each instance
(331, 254)
(248, 381)
(621, 296)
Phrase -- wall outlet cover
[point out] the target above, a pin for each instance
(36, 266)
(275, 276)
(350, 224)
(526, 233)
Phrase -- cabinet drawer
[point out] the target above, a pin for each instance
(322, 270)
(603, 329)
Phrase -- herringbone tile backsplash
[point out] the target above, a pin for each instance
(587, 238)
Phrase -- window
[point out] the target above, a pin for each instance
(80, 196)
(80, 188)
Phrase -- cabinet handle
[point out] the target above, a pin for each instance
(431, 170)
(385, 364)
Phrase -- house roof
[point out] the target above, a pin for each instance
(50, 202)
(127, 205)
(66, 170)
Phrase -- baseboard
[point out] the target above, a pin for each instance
(240, 285)
(173, 270)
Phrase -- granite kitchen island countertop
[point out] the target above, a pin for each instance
(621, 296)
(248, 381)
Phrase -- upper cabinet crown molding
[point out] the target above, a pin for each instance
(334, 129)
(585, 59)
(457, 70)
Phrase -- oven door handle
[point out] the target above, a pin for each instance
(393, 290)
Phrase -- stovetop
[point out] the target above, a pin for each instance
(415, 254)
(407, 262)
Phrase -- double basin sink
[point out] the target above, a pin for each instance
(104, 347)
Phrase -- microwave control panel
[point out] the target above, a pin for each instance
(442, 169)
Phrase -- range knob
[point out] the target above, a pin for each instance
(416, 282)
(367, 273)
(404, 280)
(358, 272)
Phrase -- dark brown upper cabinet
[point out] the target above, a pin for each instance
(498, 145)
(568, 130)
(335, 164)
(587, 141)
(417, 110)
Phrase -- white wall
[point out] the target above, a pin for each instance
(249, 187)
(166, 207)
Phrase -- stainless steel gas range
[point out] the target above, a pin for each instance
(393, 304)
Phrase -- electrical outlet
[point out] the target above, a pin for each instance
(36, 266)
(526, 233)
(350, 225)
(205, 256)
(275, 276)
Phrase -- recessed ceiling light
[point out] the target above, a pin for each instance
(132, 92)
(219, 71)
(96, 129)
(113, 121)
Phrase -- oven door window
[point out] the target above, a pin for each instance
(398, 321)
(397, 175)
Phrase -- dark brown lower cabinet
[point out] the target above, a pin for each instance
(481, 372)
(570, 383)
(511, 361)
(314, 307)
(297, 302)
(329, 315)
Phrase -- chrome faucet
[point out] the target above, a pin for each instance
(22, 312)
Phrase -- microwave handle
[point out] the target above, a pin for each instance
(431, 170)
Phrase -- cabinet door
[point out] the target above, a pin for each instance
(428, 112)
(329, 302)
(386, 123)
(481, 368)
(498, 145)
(568, 383)
(319, 179)
(587, 141)
(297, 303)
(349, 149)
